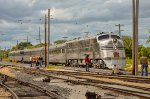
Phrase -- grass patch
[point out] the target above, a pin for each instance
(52, 67)
(128, 67)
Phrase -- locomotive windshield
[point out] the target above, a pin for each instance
(115, 37)
(102, 37)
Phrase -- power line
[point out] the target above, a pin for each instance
(87, 33)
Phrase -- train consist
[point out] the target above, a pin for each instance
(105, 50)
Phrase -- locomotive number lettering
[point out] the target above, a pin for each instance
(116, 54)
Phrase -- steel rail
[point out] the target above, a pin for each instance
(14, 95)
(79, 76)
(122, 77)
(103, 85)
(106, 75)
(49, 93)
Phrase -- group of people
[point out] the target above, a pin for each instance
(36, 61)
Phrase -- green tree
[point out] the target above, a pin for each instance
(60, 41)
(127, 45)
(144, 50)
(22, 45)
(39, 45)
(148, 40)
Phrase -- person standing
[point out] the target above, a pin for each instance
(40, 61)
(87, 61)
(31, 61)
(22, 60)
(115, 70)
(144, 65)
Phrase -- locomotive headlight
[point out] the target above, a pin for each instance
(114, 41)
(115, 47)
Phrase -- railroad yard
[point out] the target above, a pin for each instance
(69, 83)
(80, 49)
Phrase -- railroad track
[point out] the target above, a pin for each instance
(21, 89)
(7, 92)
(84, 78)
(127, 78)
(129, 89)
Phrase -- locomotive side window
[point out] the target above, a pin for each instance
(102, 37)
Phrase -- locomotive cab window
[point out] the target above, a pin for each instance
(115, 37)
(102, 37)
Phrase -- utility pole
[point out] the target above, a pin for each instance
(136, 37)
(17, 43)
(119, 29)
(45, 43)
(133, 37)
(39, 32)
(135, 12)
(0, 53)
(39, 36)
(48, 35)
(27, 39)
(87, 33)
(65, 38)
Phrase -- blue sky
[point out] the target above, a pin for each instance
(70, 18)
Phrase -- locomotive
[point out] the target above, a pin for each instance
(105, 50)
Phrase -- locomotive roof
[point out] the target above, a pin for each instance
(26, 50)
(34, 49)
(57, 46)
(86, 38)
(91, 37)
(62, 45)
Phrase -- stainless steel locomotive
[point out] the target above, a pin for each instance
(105, 50)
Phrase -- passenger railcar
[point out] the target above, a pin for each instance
(105, 50)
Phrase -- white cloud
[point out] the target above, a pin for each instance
(70, 18)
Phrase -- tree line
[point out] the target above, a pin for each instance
(141, 49)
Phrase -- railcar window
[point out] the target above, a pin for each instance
(56, 51)
(63, 51)
(102, 37)
(21, 52)
(115, 37)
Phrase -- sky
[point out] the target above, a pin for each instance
(69, 18)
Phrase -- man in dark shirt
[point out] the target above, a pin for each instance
(40, 61)
(144, 65)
